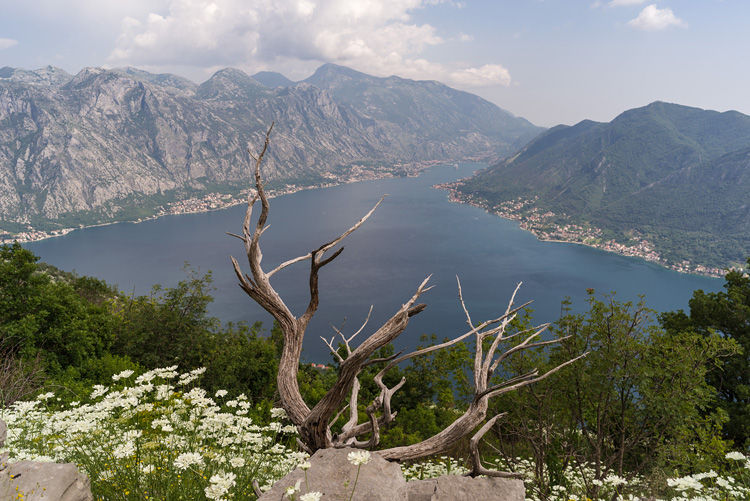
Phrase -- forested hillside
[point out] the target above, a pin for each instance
(675, 176)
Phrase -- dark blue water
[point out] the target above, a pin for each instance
(414, 233)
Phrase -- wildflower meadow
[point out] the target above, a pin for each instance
(159, 436)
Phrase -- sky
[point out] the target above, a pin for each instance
(549, 61)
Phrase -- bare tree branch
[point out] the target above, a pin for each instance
(476, 462)
(314, 424)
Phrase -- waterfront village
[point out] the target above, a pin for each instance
(217, 201)
(530, 219)
(543, 226)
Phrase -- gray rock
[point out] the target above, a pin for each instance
(379, 480)
(44, 481)
(3, 436)
(453, 487)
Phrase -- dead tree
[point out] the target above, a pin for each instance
(314, 424)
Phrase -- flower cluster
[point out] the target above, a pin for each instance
(156, 438)
(582, 483)
(431, 469)
(359, 457)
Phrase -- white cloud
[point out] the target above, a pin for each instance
(7, 43)
(489, 74)
(652, 18)
(625, 3)
(375, 36)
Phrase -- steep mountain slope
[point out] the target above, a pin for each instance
(49, 75)
(107, 144)
(272, 79)
(677, 175)
(429, 108)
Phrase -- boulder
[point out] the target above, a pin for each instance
(3, 436)
(454, 487)
(332, 474)
(380, 480)
(44, 481)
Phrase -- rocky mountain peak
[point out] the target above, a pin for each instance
(118, 141)
(231, 83)
(49, 75)
(330, 76)
(272, 79)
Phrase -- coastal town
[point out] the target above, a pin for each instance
(218, 201)
(546, 227)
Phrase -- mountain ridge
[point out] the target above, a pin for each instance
(106, 144)
(673, 175)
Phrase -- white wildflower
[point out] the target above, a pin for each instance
(278, 413)
(738, 456)
(293, 490)
(311, 496)
(99, 390)
(684, 483)
(723, 483)
(615, 480)
(145, 378)
(708, 474)
(123, 375)
(220, 485)
(359, 457)
(125, 450)
(163, 391)
(184, 460)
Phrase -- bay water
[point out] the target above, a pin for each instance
(416, 232)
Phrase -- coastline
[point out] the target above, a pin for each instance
(217, 201)
(574, 234)
(571, 234)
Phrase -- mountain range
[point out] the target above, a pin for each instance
(676, 176)
(105, 144)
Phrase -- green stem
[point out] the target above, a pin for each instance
(355, 482)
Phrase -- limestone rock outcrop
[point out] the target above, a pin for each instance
(332, 474)
(32, 481)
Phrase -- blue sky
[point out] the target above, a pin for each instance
(550, 61)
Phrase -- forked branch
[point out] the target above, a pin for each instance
(315, 424)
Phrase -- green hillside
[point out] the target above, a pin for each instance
(675, 175)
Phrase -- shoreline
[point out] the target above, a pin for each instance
(216, 201)
(573, 234)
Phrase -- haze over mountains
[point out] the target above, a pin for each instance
(94, 146)
(675, 175)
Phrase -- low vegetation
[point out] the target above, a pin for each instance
(110, 381)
